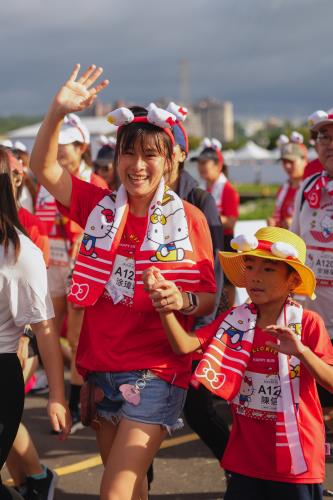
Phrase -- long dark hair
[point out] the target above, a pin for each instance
(9, 220)
(128, 135)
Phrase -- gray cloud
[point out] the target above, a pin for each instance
(267, 57)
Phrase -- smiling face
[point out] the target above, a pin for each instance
(140, 170)
(268, 281)
(143, 156)
(325, 153)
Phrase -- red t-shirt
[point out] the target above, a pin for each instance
(287, 208)
(36, 231)
(229, 203)
(251, 446)
(118, 337)
(313, 167)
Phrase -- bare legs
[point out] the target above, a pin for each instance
(127, 450)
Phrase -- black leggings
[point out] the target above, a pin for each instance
(203, 419)
(11, 407)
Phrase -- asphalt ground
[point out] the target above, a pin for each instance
(184, 467)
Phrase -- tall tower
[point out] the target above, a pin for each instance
(184, 82)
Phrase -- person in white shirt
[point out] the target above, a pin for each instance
(24, 299)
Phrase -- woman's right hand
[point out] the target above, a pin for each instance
(78, 94)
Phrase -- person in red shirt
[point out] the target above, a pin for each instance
(211, 170)
(65, 238)
(265, 358)
(31, 223)
(122, 347)
(294, 160)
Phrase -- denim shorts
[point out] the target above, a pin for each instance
(160, 402)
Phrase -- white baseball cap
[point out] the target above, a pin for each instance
(320, 118)
(73, 130)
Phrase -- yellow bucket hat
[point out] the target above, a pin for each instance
(272, 243)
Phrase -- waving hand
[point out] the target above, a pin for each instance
(78, 93)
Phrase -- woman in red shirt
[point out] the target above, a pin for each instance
(122, 348)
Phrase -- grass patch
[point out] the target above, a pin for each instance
(259, 209)
(257, 189)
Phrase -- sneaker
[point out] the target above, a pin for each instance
(41, 384)
(42, 489)
(77, 425)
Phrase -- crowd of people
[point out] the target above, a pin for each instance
(137, 265)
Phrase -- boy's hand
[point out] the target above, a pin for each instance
(60, 417)
(287, 341)
(152, 278)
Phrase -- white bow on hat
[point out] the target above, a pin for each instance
(282, 141)
(296, 137)
(211, 143)
(73, 120)
(20, 146)
(107, 141)
(7, 143)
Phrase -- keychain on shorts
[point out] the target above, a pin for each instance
(131, 393)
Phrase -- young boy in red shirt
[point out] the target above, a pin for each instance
(265, 359)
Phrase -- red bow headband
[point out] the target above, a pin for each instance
(156, 116)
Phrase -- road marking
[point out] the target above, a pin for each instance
(96, 460)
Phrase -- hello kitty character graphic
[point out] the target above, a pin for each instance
(231, 332)
(100, 227)
(326, 225)
(246, 391)
(167, 231)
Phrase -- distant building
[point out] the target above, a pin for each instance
(217, 118)
(209, 117)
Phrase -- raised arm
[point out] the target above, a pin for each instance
(75, 95)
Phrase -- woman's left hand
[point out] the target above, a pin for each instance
(164, 294)
(287, 341)
(60, 417)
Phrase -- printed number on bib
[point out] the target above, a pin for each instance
(321, 263)
(122, 281)
(258, 396)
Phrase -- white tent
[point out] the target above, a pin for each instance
(251, 151)
(97, 125)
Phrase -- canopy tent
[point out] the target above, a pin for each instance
(251, 151)
(97, 125)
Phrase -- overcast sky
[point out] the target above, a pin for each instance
(267, 56)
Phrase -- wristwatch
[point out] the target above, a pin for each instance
(193, 302)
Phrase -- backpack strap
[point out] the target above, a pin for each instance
(312, 178)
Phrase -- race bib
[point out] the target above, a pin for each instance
(58, 252)
(258, 396)
(122, 281)
(321, 263)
